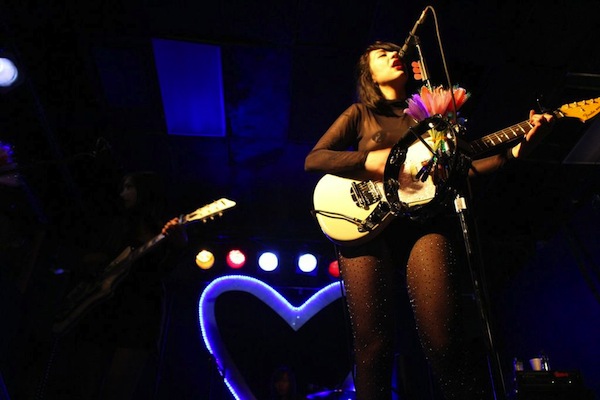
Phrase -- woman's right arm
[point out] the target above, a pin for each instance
(335, 152)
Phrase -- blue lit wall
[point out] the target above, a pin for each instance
(191, 85)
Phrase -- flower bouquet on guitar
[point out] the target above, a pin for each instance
(435, 110)
(436, 101)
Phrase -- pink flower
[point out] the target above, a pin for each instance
(460, 97)
(436, 101)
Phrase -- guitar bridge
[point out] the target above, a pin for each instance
(365, 193)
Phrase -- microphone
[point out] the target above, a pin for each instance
(411, 35)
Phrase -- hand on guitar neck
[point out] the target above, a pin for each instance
(541, 126)
(175, 233)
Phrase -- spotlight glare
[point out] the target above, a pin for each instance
(268, 261)
(205, 259)
(307, 263)
(8, 72)
(236, 259)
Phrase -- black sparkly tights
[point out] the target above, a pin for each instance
(371, 287)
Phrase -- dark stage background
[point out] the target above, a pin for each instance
(90, 107)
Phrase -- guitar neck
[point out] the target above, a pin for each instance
(143, 249)
(140, 251)
(582, 110)
(209, 211)
(575, 110)
(495, 139)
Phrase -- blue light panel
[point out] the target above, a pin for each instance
(191, 85)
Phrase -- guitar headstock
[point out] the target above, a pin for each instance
(582, 110)
(209, 211)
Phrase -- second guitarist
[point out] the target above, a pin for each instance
(106, 351)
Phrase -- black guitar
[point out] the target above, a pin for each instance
(87, 294)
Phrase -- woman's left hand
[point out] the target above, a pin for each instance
(175, 232)
(541, 126)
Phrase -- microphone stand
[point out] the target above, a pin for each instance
(460, 205)
(476, 274)
(481, 299)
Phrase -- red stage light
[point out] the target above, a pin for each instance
(236, 259)
(334, 269)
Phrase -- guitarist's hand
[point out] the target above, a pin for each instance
(542, 124)
(175, 233)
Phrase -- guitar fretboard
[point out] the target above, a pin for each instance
(216, 208)
(140, 251)
(497, 138)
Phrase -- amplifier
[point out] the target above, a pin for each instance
(550, 385)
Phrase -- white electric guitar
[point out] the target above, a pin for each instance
(87, 294)
(352, 212)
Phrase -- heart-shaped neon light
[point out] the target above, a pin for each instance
(294, 316)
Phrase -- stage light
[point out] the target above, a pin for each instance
(205, 259)
(334, 269)
(268, 261)
(8, 72)
(307, 263)
(236, 259)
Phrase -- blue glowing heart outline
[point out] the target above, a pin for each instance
(296, 317)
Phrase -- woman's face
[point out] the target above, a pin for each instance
(128, 193)
(387, 69)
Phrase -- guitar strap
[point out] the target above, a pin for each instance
(390, 178)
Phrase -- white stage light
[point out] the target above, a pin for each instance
(268, 261)
(307, 263)
(8, 72)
